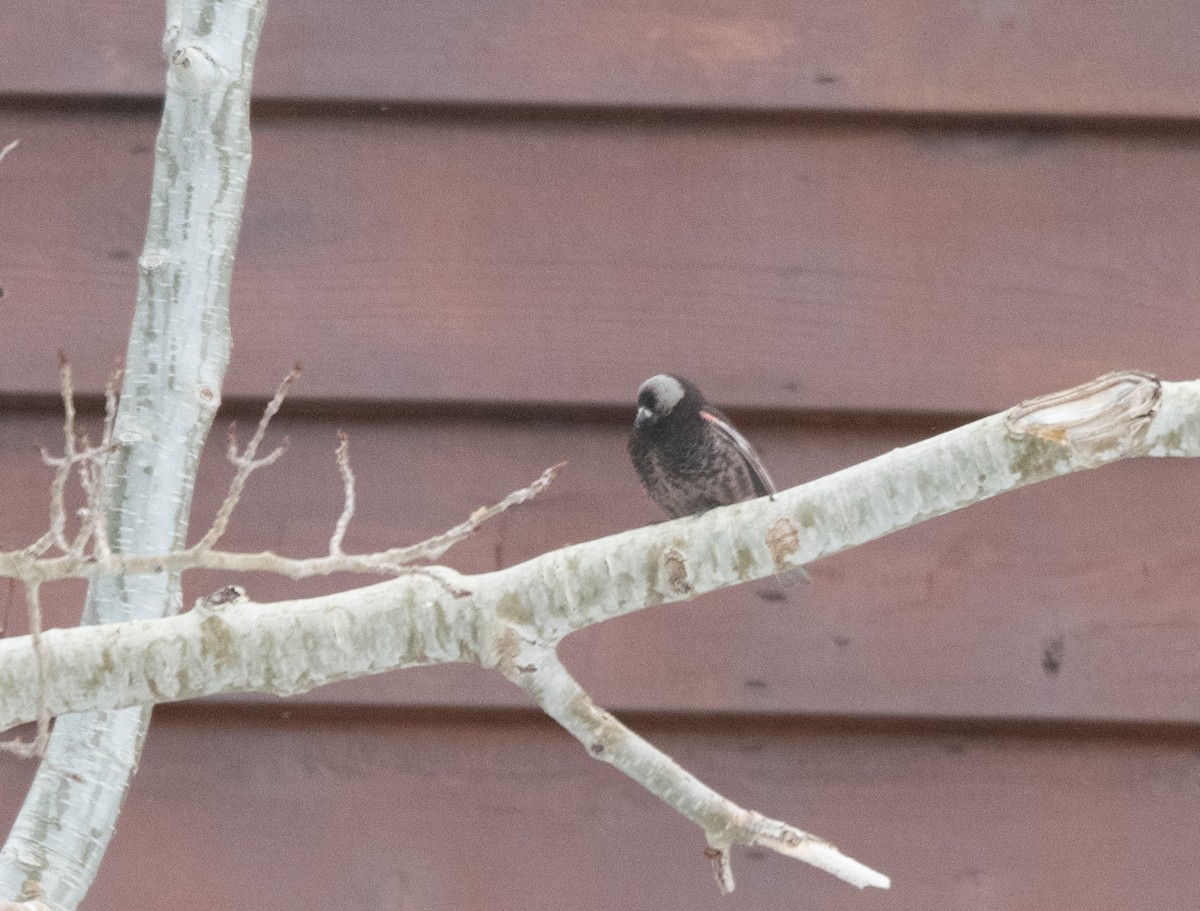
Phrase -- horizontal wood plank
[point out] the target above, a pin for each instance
(288, 812)
(1069, 600)
(527, 260)
(1040, 57)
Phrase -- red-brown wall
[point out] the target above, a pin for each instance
(480, 226)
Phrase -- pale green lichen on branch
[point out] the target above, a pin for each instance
(513, 619)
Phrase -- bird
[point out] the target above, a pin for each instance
(688, 455)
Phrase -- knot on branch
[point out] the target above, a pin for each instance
(783, 541)
(676, 568)
(1095, 422)
(152, 260)
(222, 597)
(193, 70)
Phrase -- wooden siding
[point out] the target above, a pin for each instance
(505, 811)
(1021, 57)
(480, 226)
(793, 265)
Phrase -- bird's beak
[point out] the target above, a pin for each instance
(643, 415)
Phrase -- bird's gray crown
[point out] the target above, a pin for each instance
(660, 393)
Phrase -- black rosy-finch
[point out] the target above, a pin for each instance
(689, 456)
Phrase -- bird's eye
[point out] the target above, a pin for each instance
(648, 401)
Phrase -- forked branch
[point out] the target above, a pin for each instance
(537, 670)
(512, 620)
(247, 462)
(74, 560)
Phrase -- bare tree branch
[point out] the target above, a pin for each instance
(539, 672)
(347, 475)
(140, 496)
(247, 462)
(393, 562)
(62, 467)
(90, 462)
(512, 620)
(36, 747)
(434, 547)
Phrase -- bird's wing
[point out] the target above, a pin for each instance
(758, 471)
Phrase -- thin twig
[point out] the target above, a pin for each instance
(347, 474)
(111, 400)
(91, 478)
(33, 602)
(536, 669)
(67, 392)
(90, 461)
(36, 747)
(246, 463)
(8, 148)
(434, 547)
(393, 562)
(39, 547)
(58, 509)
(91, 475)
(62, 467)
(722, 868)
(76, 563)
